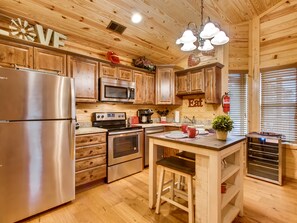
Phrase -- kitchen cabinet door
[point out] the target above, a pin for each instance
(165, 87)
(149, 83)
(49, 60)
(12, 54)
(138, 78)
(212, 85)
(85, 73)
(90, 156)
(196, 81)
(108, 70)
(124, 74)
(182, 85)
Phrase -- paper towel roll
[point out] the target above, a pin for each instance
(176, 116)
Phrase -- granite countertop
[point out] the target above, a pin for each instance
(89, 130)
(206, 141)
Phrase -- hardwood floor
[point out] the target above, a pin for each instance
(126, 201)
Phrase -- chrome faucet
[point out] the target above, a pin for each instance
(193, 120)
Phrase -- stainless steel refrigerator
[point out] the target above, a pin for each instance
(37, 112)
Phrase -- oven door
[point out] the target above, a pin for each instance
(124, 146)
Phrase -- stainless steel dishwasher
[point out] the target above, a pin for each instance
(148, 131)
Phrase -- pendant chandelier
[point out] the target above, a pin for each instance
(207, 36)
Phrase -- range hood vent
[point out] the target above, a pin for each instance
(116, 27)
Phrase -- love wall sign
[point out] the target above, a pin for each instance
(23, 30)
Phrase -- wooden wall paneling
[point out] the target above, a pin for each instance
(12, 54)
(50, 60)
(254, 76)
(239, 46)
(155, 37)
(85, 74)
(278, 36)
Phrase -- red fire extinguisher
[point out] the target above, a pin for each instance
(226, 103)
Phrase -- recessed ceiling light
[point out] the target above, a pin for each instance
(136, 18)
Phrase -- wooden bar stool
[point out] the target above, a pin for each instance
(182, 167)
(188, 156)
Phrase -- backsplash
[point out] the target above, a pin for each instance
(203, 115)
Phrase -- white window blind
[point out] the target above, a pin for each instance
(237, 84)
(278, 102)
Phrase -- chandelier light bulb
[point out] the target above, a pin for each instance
(178, 41)
(220, 39)
(206, 46)
(209, 31)
(188, 47)
(188, 37)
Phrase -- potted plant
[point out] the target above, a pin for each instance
(222, 124)
(163, 114)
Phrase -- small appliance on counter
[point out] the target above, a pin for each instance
(145, 115)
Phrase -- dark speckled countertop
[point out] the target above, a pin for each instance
(203, 141)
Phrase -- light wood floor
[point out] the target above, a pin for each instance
(126, 201)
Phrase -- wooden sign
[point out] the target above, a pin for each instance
(23, 30)
(195, 102)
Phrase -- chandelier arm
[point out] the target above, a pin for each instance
(201, 13)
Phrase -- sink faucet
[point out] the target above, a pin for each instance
(193, 120)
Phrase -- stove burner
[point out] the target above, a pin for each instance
(112, 121)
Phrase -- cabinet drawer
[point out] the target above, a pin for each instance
(89, 175)
(90, 162)
(82, 140)
(88, 151)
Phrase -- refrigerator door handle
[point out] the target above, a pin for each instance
(72, 139)
(72, 99)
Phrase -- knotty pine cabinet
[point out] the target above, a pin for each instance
(112, 71)
(145, 87)
(165, 87)
(190, 82)
(12, 54)
(85, 74)
(90, 164)
(201, 80)
(213, 84)
(49, 60)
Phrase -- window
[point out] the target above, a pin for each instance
(237, 85)
(278, 102)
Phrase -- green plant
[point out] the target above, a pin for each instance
(163, 112)
(222, 123)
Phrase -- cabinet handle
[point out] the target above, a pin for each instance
(91, 151)
(91, 163)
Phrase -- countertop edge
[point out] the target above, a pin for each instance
(240, 139)
(89, 130)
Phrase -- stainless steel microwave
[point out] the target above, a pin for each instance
(116, 90)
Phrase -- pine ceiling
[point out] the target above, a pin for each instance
(163, 21)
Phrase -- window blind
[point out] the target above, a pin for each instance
(237, 84)
(278, 102)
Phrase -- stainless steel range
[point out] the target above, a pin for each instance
(124, 144)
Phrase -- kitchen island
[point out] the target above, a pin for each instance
(217, 162)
